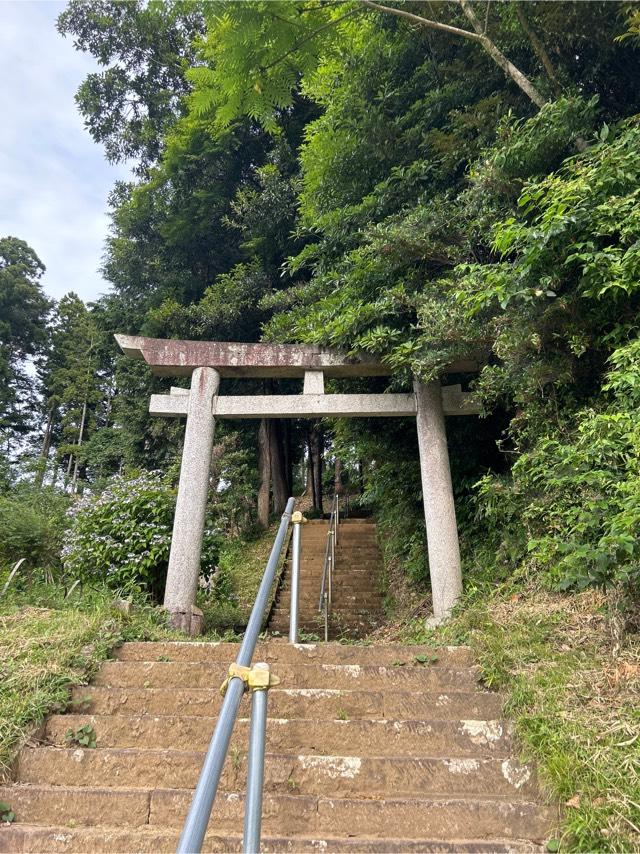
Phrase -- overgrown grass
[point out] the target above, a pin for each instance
(48, 643)
(242, 563)
(572, 686)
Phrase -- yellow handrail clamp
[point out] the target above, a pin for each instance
(254, 678)
(260, 679)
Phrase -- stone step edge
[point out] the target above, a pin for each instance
(379, 845)
(470, 672)
(502, 722)
(169, 752)
(419, 802)
(309, 693)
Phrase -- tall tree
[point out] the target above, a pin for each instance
(144, 49)
(23, 315)
(71, 386)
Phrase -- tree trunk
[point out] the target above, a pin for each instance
(285, 425)
(308, 488)
(74, 482)
(264, 469)
(278, 474)
(539, 48)
(46, 447)
(337, 479)
(315, 453)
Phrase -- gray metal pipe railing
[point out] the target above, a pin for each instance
(197, 819)
(326, 589)
(297, 519)
(255, 766)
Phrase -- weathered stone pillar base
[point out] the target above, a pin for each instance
(191, 505)
(190, 622)
(437, 492)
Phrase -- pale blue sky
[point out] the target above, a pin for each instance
(54, 180)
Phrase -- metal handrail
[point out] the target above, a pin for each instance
(197, 819)
(326, 589)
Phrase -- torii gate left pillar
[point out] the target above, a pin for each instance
(207, 361)
(191, 505)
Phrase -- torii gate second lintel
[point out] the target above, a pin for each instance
(207, 361)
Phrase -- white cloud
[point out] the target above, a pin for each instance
(54, 180)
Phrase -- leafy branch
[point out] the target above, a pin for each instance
(478, 35)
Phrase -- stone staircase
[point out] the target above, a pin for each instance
(369, 749)
(357, 599)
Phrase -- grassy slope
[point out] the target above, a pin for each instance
(242, 564)
(48, 643)
(573, 690)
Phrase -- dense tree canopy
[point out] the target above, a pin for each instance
(23, 314)
(419, 180)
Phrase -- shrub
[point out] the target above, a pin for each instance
(33, 522)
(573, 502)
(123, 535)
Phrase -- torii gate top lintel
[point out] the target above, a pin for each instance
(169, 357)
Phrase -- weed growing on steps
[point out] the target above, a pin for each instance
(573, 691)
(84, 736)
(7, 815)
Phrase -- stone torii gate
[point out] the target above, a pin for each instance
(207, 361)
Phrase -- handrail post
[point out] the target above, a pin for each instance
(331, 562)
(255, 765)
(297, 520)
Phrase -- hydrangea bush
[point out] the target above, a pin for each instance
(122, 536)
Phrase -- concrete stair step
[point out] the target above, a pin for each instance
(312, 591)
(350, 627)
(157, 674)
(471, 707)
(341, 600)
(355, 571)
(345, 540)
(367, 579)
(438, 818)
(434, 738)
(341, 615)
(347, 598)
(108, 840)
(306, 774)
(281, 651)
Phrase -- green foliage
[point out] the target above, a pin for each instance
(577, 493)
(247, 49)
(83, 736)
(33, 524)
(23, 314)
(122, 536)
(143, 50)
(7, 815)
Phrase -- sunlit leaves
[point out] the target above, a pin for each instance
(256, 53)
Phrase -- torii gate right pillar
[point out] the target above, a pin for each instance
(437, 493)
